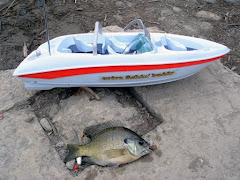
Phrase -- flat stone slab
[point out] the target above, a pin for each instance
(200, 134)
(25, 151)
(199, 138)
(78, 112)
(12, 90)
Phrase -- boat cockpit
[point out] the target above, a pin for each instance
(116, 44)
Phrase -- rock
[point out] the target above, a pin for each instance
(139, 104)
(45, 124)
(130, 4)
(201, 115)
(25, 150)
(210, 1)
(53, 110)
(4, 3)
(161, 19)
(119, 93)
(22, 12)
(12, 90)
(154, 29)
(190, 29)
(29, 119)
(235, 2)
(78, 112)
(79, 9)
(60, 144)
(119, 3)
(208, 15)
(206, 26)
(201, 122)
(166, 12)
(112, 29)
(199, 138)
(177, 9)
(118, 17)
(70, 164)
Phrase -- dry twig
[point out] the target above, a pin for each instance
(25, 50)
(53, 127)
(92, 93)
(233, 24)
(154, 22)
(153, 1)
(105, 18)
(10, 6)
(41, 33)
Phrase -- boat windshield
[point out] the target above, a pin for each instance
(141, 44)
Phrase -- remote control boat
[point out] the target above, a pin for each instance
(122, 59)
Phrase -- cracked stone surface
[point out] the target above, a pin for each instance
(199, 138)
(200, 134)
(12, 90)
(25, 151)
(78, 112)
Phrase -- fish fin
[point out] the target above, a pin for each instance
(114, 153)
(91, 131)
(93, 161)
(88, 160)
(72, 152)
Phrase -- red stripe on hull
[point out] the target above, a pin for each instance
(92, 70)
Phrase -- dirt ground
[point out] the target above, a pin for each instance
(23, 21)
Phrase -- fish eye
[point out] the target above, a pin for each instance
(141, 143)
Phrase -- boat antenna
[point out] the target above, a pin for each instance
(46, 26)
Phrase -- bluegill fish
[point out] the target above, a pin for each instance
(111, 147)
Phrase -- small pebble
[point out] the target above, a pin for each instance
(119, 3)
(139, 104)
(60, 144)
(210, 1)
(22, 12)
(235, 2)
(208, 15)
(70, 164)
(153, 147)
(29, 119)
(45, 124)
(79, 9)
(177, 9)
(119, 93)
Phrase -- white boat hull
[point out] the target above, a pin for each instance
(64, 68)
(115, 79)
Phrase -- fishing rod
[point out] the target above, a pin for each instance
(46, 26)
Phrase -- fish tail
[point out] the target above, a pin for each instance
(73, 152)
